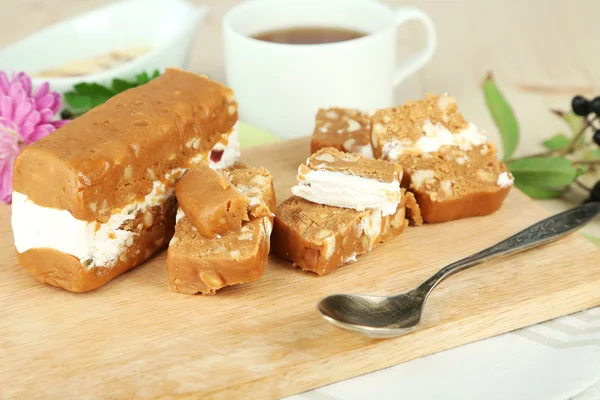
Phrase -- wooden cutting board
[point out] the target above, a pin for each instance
(133, 338)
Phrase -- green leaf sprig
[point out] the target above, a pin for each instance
(86, 96)
(548, 174)
(567, 157)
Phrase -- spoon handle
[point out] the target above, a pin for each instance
(543, 232)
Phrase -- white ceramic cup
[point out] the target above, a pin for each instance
(280, 87)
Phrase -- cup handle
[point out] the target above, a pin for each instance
(413, 64)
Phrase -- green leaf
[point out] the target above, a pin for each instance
(503, 116)
(575, 122)
(76, 101)
(592, 155)
(142, 78)
(593, 239)
(546, 172)
(87, 95)
(92, 89)
(537, 192)
(121, 85)
(557, 142)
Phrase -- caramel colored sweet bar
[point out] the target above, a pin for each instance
(345, 129)
(108, 178)
(421, 126)
(198, 264)
(66, 271)
(349, 180)
(321, 238)
(457, 184)
(210, 202)
(110, 156)
(448, 164)
(333, 160)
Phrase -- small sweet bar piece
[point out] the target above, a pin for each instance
(320, 238)
(95, 198)
(257, 185)
(349, 180)
(345, 129)
(413, 211)
(210, 202)
(198, 264)
(448, 164)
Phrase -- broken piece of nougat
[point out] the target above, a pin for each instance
(198, 264)
(335, 178)
(448, 164)
(210, 202)
(345, 129)
(320, 238)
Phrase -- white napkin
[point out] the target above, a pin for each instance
(558, 359)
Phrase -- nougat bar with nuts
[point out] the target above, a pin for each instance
(320, 238)
(345, 129)
(95, 198)
(199, 264)
(448, 164)
(349, 180)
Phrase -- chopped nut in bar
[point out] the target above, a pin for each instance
(199, 264)
(349, 180)
(345, 129)
(320, 238)
(448, 164)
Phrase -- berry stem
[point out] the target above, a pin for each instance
(586, 162)
(581, 185)
(575, 141)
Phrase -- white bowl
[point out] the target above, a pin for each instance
(168, 27)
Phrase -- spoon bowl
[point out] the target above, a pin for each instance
(375, 316)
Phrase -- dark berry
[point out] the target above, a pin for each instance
(597, 137)
(66, 114)
(595, 194)
(580, 105)
(595, 106)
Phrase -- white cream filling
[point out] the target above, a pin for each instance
(434, 137)
(94, 244)
(348, 191)
(231, 152)
(505, 180)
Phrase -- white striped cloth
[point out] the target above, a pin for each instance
(554, 360)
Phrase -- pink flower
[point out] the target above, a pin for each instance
(24, 118)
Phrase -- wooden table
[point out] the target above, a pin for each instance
(542, 52)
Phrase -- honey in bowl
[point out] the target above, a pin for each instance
(309, 35)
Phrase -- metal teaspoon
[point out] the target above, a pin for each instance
(390, 316)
